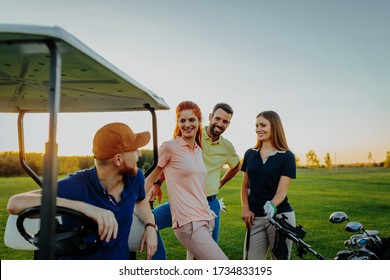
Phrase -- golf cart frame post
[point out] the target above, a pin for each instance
(105, 90)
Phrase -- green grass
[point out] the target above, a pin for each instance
(363, 193)
(8, 187)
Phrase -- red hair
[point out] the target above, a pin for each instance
(189, 105)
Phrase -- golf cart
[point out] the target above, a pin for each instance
(47, 70)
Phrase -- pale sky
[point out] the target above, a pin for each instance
(324, 66)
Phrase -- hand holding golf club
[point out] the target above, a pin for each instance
(269, 209)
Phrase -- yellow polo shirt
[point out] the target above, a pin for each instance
(215, 156)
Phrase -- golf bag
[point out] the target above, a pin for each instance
(363, 245)
(280, 249)
(285, 230)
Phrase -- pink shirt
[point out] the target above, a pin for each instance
(185, 175)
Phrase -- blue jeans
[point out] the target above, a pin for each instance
(163, 217)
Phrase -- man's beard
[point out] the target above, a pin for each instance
(213, 132)
(126, 170)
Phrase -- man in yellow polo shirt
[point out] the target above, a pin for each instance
(217, 152)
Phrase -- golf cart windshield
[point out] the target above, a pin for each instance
(45, 69)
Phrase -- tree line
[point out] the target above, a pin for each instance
(312, 161)
(10, 164)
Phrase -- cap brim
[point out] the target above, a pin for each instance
(142, 139)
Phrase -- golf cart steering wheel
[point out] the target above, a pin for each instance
(78, 237)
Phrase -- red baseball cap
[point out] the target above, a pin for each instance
(116, 138)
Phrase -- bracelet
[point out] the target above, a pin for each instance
(157, 182)
(151, 225)
(273, 205)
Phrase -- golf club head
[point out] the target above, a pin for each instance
(344, 255)
(348, 244)
(359, 257)
(354, 241)
(354, 227)
(338, 217)
(357, 236)
(372, 232)
(362, 241)
(362, 254)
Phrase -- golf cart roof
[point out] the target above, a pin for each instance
(88, 82)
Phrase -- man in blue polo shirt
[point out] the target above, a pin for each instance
(108, 193)
(217, 152)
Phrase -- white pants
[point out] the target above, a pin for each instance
(262, 238)
(197, 238)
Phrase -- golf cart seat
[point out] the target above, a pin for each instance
(136, 231)
(12, 237)
(14, 240)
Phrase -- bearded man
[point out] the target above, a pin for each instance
(109, 193)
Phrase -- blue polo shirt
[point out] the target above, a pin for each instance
(85, 186)
(263, 178)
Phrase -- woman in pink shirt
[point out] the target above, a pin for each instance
(185, 173)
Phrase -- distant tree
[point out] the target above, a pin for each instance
(68, 164)
(86, 162)
(297, 161)
(9, 164)
(369, 158)
(146, 160)
(312, 160)
(387, 160)
(328, 161)
(35, 161)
